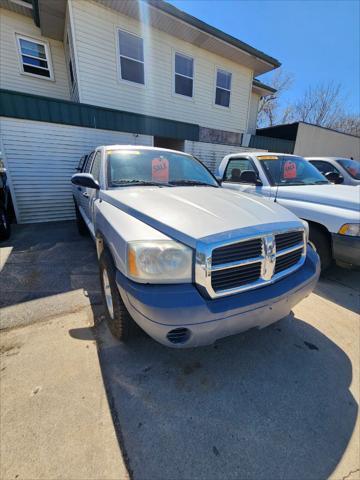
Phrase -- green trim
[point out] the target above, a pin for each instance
(205, 27)
(259, 84)
(44, 109)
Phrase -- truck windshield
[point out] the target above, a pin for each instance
(284, 170)
(156, 167)
(352, 167)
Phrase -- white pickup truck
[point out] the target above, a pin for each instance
(188, 261)
(332, 211)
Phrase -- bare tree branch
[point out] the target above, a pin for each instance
(269, 105)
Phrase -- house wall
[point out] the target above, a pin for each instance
(11, 77)
(70, 59)
(316, 141)
(95, 38)
(253, 113)
(40, 159)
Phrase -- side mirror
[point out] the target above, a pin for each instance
(249, 176)
(85, 180)
(334, 177)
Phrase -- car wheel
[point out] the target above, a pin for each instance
(80, 223)
(321, 244)
(119, 321)
(5, 228)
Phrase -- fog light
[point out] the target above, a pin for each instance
(178, 335)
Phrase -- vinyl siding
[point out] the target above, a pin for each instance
(41, 157)
(10, 73)
(253, 114)
(96, 45)
(211, 154)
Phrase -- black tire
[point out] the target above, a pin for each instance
(121, 325)
(80, 223)
(321, 242)
(5, 227)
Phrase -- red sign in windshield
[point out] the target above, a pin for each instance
(160, 169)
(289, 169)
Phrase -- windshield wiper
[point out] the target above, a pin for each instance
(318, 182)
(192, 183)
(126, 183)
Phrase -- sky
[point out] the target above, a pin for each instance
(316, 41)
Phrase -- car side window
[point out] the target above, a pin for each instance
(235, 167)
(324, 167)
(81, 163)
(95, 167)
(87, 166)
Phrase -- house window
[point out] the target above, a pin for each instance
(131, 48)
(223, 88)
(34, 57)
(184, 75)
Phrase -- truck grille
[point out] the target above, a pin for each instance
(288, 260)
(235, 277)
(288, 239)
(237, 251)
(248, 263)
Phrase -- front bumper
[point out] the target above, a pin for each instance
(159, 309)
(346, 249)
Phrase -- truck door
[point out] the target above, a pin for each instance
(234, 180)
(82, 194)
(90, 193)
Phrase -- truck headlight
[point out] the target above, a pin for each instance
(159, 261)
(306, 228)
(351, 229)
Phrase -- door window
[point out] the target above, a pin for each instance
(324, 167)
(87, 166)
(95, 168)
(235, 167)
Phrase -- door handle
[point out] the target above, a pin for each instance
(86, 195)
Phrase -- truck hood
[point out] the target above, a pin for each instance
(189, 214)
(341, 196)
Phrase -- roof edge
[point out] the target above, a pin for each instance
(186, 17)
(263, 86)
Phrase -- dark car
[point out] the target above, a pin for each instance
(5, 205)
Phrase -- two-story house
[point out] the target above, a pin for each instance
(80, 73)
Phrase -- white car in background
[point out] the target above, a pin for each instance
(338, 170)
(332, 211)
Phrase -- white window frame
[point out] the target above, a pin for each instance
(217, 68)
(179, 95)
(120, 79)
(46, 46)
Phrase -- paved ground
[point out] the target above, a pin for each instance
(54, 416)
(281, 403)
(48, 269)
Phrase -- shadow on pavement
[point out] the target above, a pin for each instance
(341, 286)
(48, 259)
(271, 404)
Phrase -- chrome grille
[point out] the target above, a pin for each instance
(288, 240)
(237, 251)
(235, 276)
(288, 260)
(248, 262)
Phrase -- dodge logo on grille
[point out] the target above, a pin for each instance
(268, 266)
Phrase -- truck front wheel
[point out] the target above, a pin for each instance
(119, 321)
(321, 244)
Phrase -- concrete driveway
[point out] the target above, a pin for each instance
(281, 403)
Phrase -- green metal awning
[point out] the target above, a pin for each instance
(45, 109)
